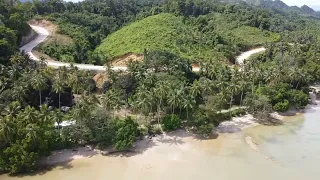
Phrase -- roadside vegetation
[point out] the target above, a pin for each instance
(159, 94)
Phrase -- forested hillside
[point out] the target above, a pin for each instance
(160, 93)
(210, 29)
(13, 25)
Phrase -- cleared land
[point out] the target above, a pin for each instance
(162, 31)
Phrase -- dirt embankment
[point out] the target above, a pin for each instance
(125, 59)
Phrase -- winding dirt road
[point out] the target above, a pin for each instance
(43, 34)
(245, 55)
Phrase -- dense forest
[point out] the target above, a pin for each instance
(160, 93)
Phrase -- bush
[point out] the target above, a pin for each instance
(299, 99)
(205, 130)
(156, 129)
(238, 112)
(171, 122)
(126, 133)
(282, 106)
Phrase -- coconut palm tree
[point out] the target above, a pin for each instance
(39, 83)
(81, 111)
(195, 88)
(174, 99)
(7, 128)
(297, 75)
(160, 92)
(233, 87)
(11, 109)
(188, 103)
(58, 117)
(242, 85)
(58, 88)
(19, 91)
(32, 132)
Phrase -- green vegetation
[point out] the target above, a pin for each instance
(12, 27)
(160, 32)
(171, 122)
(253, 36)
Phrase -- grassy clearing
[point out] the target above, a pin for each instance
(253, 36)
(162, 32)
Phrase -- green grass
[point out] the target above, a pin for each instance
(253, 36)
(162, 32)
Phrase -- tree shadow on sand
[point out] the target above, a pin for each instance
(141, 146)
(60, 160)
(175, 138)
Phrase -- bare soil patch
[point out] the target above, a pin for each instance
(100, 78)
(125, 59)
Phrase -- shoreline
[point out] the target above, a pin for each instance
(237, 124)
(315, 103)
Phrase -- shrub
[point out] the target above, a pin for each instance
(156, 129)
(282, 106)
(299, 99)
(126, 133)
(171, 122)
(205, 130)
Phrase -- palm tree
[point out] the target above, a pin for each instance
(19, 91)
(233, 87)
(160, 92)
(39, 83)
(297, 74)
(6, 128)
(45, 115)
(74, 80)
(58, 87)
(30, 115)
(242, 85)
(32, 132)
(111, 100)
(144, 97)
(174, 99)
(81, 111)
(195, 88)
(188, 103)
(58, 117)
(11, 109)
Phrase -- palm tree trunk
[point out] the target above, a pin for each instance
(241, 97)
(158, 113)
(231, 99)
(71, 94)
(40, 98)
(59, 100)
(252, 86)
(187, 113)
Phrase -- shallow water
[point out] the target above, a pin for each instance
(296, 144)
(294, 148)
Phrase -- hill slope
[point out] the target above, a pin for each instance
(162, 32)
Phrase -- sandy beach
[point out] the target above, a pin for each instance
(237, 124)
